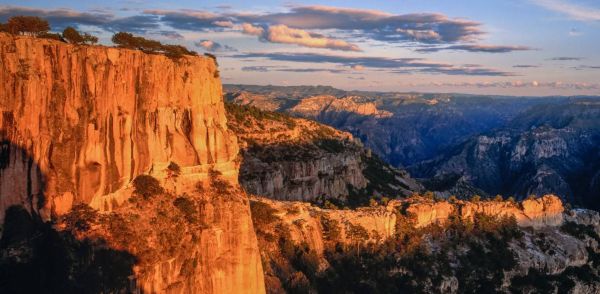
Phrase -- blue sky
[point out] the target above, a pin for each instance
(525, 47)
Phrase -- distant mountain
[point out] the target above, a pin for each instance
(547, 149)
(462, 144)
(403, 128)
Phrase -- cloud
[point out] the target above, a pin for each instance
(521, 84)
(223, 23)
(571, 10)
(309, 70)
(61, 18)
(575, 32)
(250, 29)
(477, 48)
(525, 66)
(258, 68)
(170, 34)
(415, 65)
(586, 67)
(287, 35)
(191, 20)
(139, 24)
(58, 18)
(434, 28)
(566, 58)
(213, 46)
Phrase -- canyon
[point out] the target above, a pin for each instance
(124, 171)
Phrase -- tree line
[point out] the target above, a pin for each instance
(40, 28)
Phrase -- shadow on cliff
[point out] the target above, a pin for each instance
(35, 257)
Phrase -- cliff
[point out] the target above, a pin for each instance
(79, 123)
(546, 149)
(289, 158)
(418, 245)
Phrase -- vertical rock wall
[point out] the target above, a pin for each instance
(78, 123)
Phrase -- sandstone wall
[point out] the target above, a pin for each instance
(78, 123)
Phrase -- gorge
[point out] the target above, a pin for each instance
(123, 171)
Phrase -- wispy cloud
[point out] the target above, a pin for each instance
(213, 46)
(286, 35)
(476, 48)
(525, 66)
(394, 65)
(519, 84)
(432, 28)
(571, 10)
(566, 58)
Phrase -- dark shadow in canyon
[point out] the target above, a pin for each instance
(35, 257)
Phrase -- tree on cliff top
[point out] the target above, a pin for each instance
(128, 40)
(74, 37)
(27, 25)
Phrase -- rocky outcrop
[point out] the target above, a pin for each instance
(290, 158)
(547, 149)
(541, 212)
(542, 243)
(330, 105)
(79, 123)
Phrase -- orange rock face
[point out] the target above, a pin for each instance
(541, 212)
(92, 118)
(78, 123)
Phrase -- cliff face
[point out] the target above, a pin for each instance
(79, 123)
(291, 158)
(547, 149)
(306, 247)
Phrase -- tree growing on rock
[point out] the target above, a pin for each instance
(75, 37)
(27, 25)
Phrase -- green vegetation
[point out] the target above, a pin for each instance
(26, 25)
(147, 186)
(580, 231)
(129, 41)
(242, 113)
(415, 260)
(217, 183)
(174, 168)
(74, 37)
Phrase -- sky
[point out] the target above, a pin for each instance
(507, 47)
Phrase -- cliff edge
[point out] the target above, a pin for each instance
(79, 123)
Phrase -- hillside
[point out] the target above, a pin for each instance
(291, 158)
(402, 128)
(548, 149)
(426, 246)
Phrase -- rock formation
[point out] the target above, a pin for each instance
(79, 123)
(290, 158)
(304, 244)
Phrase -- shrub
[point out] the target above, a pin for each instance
(51, 36)
(128, 40)
(147, 186)
(27, 25)
(72, 35)
(80, 218)
(498, 198)
(475, 198)
(174, 168)
(187, 207)
(217, 183)
(262, 213)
